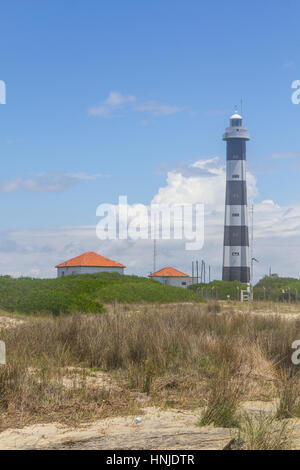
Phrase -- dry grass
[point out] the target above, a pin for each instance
(264, 432)
(222, 408)
(27, 397)
(262, 307)
(288, 394)
(183, 355)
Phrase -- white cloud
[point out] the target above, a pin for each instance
(202, 181)
(117, 99)
(46, 182)
(289, 65)
(218, 112)
(85, 176)
(276, 233)
(157, 109)
(116, 105)
(102, 111)
(285, 155)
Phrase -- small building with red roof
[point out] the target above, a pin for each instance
(172, 277)
(89, 263)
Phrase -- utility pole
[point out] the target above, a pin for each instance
(197, 270)
(192, 272)
(252, 242)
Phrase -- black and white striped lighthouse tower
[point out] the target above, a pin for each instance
(236, 261)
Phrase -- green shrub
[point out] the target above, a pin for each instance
(84, 293)
(284, 289)
(219, 290)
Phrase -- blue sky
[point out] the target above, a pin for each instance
(178, 68)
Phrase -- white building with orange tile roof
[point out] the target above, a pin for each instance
(172, 277)
(89, 263)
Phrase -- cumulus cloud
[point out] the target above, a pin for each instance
(201, 181)
(276, 232)
(46, 182)
(117, 104)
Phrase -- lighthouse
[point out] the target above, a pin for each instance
(236, 262)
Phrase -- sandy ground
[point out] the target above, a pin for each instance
(157, 429)
(9, 322)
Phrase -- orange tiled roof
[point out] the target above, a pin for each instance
(168, 272)
(91, 259)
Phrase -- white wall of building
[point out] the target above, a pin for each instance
(174, 281)
(67, 270)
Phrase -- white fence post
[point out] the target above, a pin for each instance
(2, 353)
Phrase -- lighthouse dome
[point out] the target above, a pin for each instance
(236, 120)
(236, 116)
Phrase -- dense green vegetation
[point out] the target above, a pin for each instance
(88, 292)
(277, 289)
(219, 290)
(282, 289)
(84, 293)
